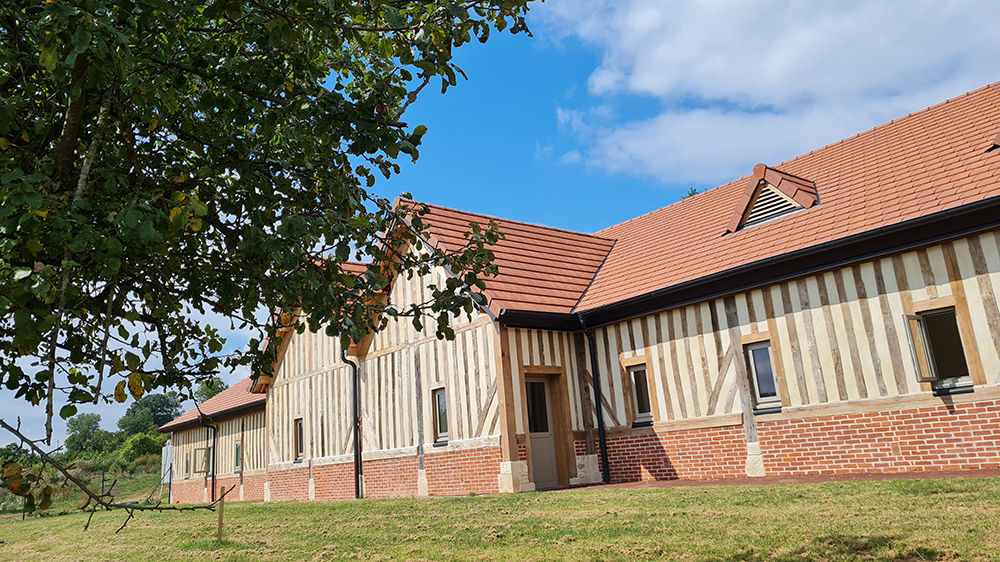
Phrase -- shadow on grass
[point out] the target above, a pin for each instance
(851, 547)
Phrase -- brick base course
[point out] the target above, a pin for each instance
(458, 473)
(946, 437)
(718, 452)
(452, 473)
(196, 490)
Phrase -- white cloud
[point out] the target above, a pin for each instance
(571, 157)
(742, 82)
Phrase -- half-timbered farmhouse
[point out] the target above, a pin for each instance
(834, 313)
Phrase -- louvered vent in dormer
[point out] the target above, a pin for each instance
(769, 204)
(769, 194)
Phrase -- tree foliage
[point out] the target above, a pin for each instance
(160, 161)
(209, 388)
(161, 407)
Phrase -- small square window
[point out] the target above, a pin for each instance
(439, 401)
(640, 394)
(201, 460)
(239, 456)
(300, 439)
(761, 368)
(936, 346)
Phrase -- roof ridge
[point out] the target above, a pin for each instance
(908, 116)
(512, 221)
(684, 200)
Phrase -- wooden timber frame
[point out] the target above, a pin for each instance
(561, 419)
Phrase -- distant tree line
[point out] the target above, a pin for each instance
(136, 439)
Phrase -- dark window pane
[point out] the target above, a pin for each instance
(641, 391)
(300, 439)
(442, 411)
(765, 376)
(946, 345)
(538, 416)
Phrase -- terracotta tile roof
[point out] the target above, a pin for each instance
(542, 269)
(234, 398)
(926, 162)
(357, 268)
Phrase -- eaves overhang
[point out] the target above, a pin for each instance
(215, 417)
(928, 229)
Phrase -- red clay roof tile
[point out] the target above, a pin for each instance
(923, 163)
(234, 398)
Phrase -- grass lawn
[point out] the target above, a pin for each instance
(946, 519)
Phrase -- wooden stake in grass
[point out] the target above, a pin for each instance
(222, 506)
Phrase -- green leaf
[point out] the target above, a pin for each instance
(81, 40)
(67, 411)
(132, 360)
(49, 58)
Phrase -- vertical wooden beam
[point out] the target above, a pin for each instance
(586, 404)
(964, 318)
(505, 389)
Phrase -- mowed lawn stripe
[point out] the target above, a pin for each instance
(943, 519)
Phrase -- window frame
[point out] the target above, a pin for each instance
(762, 403)
(440, 436)
(922, 351)
(640, 418)
(238, 455)
(299, 428)
(187, 464)
(203, 469)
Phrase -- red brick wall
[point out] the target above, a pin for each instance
(289, 483)
(459, 473)
(390, 478)
(946, 437)
(191, 490)
(718, 452)
(333, 481)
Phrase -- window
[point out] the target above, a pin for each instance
(440, 404)
(761, 369)
(239, 456)
(640, 394)
(187, 464)
(201, 460)
(936, 345)
(300, 439)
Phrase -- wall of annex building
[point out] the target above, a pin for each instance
(838, 337)
(247, 429)
(398, 372)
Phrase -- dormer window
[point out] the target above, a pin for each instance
(771, 194)
(769, 204)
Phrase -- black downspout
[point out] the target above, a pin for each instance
(357, 424)
(602, 438)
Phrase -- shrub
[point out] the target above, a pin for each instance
(138, 445)
(146, 462)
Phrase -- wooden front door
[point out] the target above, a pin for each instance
(540, 431)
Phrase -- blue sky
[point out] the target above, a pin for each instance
(617, 107)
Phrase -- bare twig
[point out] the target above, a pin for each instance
(103, 500)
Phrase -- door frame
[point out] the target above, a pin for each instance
(561, 415)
